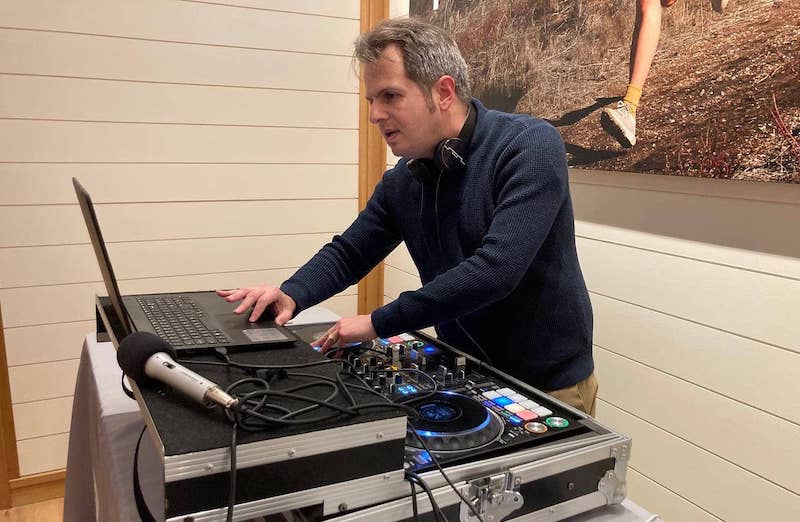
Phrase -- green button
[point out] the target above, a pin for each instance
(556, 422)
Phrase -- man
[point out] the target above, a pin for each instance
(481, 200)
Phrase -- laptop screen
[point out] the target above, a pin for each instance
(87, 208)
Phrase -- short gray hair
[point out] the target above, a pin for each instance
(428, 53)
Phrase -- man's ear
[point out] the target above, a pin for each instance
(444, 92)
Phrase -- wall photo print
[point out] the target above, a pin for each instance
(702, 88)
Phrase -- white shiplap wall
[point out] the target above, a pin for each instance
(219, 141)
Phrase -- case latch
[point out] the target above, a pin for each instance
(494, 497)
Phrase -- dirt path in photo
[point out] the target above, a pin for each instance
(708, 108)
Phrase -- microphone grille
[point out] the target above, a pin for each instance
(136, 349)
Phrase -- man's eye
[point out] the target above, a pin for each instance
(389, 96)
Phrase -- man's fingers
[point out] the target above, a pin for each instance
(246, 303)
(261, 304)
(282, 317)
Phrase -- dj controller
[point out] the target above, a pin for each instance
(344, 439)
(464, 410)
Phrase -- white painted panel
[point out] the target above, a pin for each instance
(398, 8)
(105, 100)
(740, 434)
(60, 225)
(36, 141)
(663, 502)
(161, 258)
(36, 382)
(43, 454)
(750, 304)
(186, 22)
(395, 282)
(50, 342)
(26, 184)
(749, 371)
(32, 266)
(400, 259)
(29, 266)
(339, 8)
(41, 225)
(733, 257)
(101, 57)
(49, 304)
(70, 303)
(40, 418)
(723, 489)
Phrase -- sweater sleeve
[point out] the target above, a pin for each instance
(348, 257)
(531, 179)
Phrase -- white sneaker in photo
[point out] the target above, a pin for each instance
(620, 123)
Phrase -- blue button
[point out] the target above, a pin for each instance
(515, 420)
(503, 401)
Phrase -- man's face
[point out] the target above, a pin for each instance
(398, 106)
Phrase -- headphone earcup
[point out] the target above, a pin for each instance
(451, 154)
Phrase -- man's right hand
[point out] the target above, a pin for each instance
(260, 297)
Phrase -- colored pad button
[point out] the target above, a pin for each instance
(535, 427)
(503, 401)
(518, 398)
(506, 391)
(556, 422)
(491, 394)
(529, 405)
(515, 420)
(514, 408)
(527, 415)
(541, 411)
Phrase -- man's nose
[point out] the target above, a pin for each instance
(376, 113)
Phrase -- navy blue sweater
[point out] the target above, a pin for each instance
(495, 249)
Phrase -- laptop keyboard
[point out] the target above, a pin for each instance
(178, 319)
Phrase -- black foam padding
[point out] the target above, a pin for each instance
(185, 426)
(136, 349)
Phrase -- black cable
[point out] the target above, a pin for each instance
(141, 506)
(437, 511)
(232, 473)
(414, 509)
(439, 467)
(127, 391)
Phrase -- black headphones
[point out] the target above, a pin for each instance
(449, 156)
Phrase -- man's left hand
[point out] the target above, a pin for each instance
(347, 330)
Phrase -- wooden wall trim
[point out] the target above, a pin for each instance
(9, 460)
(371, 161)
(37, 488)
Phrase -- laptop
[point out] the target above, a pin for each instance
(189, 321)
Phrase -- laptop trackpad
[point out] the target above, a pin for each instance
(265, 335)
(264, 331)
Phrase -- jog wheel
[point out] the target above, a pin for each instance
(449, 422)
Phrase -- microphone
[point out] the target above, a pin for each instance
(143, 356)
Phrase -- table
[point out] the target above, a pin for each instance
(106, 424)
(105, 427)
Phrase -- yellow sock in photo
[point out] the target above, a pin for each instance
(632, 96)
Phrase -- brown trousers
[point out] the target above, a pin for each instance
(581, 396)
